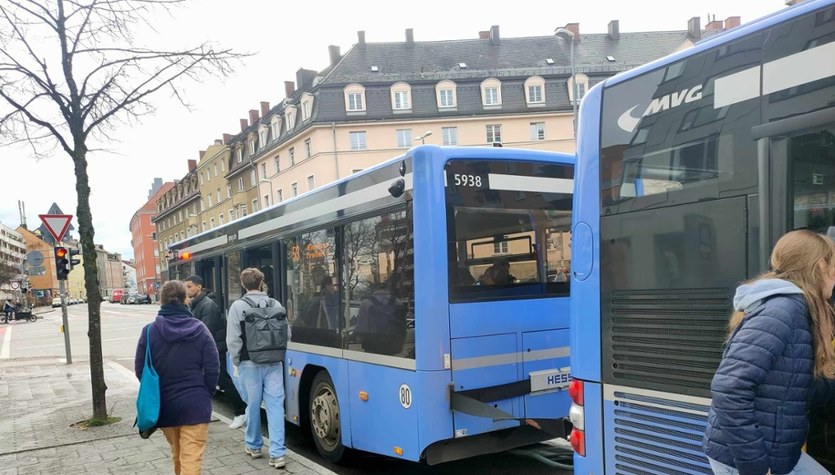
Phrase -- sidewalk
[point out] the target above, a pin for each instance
(41, 399)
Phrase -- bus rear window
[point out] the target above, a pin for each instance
(509, 229)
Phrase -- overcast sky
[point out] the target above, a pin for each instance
(286, 36)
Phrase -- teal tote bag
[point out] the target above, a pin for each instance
(148, 400)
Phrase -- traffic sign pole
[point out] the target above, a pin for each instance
(66, 327)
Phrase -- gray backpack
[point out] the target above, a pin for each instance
(266, 331)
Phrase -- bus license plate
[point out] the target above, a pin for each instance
(550, 379)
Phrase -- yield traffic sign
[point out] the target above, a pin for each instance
(56, 224)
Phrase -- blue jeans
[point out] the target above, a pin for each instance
(805, 466)
(263, 382)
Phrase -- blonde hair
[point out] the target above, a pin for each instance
(252, 278)
(173, 292)
(796, 258)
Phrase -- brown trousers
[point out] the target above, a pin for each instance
(187, 446)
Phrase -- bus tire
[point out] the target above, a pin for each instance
(325, 424)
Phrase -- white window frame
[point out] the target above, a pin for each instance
(361, 142)
(294, 187)
(307, 105)
(290, 116)
(228, 190)
(275, 125)
(449, 135)
(308, 148)
(240, 183)
(354, 98)
(255, 205)
(240, 152)
(535, 82)
(266, 201)
(404, 138)
(491, 92)
(277, 162)
(279, 195)
(218, 196)
(446, 86)
(292, 156)
(537, 131)
(494, 133)
(401, 97)
(500, 248)
(262, 134)
(253, 145)
(214, 167)
(263, 169)
(311, 182)
(582, 83)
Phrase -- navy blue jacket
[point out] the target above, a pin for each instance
(185, 357)
(762, 391)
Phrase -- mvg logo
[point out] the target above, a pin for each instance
(628, 122)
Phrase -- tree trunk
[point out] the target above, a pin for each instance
(91, 282)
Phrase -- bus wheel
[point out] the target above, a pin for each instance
(324, 418)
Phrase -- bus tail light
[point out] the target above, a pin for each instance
(577, 415)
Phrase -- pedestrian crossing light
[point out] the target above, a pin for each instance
(62, 262)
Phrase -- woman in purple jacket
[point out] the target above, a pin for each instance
(184, 355)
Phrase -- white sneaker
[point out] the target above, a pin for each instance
(238, 422)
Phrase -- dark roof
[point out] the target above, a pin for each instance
(437, 60)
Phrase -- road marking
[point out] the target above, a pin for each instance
(7, 344)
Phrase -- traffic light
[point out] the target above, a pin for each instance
(62, 263)
(74, 262)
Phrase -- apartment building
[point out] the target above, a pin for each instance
(12, 253)
(146, 249)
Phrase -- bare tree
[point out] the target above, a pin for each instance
(69, 75)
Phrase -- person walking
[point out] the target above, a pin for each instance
(8, 309)
(203, 306)
(260, 381)
(778, 363)
(184, 355)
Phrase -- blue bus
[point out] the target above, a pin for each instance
(689, 169)
(428, 298)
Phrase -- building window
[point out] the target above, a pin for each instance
(500, 247)
(254, 205)
(308, 149)
(202, 229)
(214, 168)
(494, 133)
(200, 179)
(354, 98)
(450, 135)
(276, 128)
(279, 196)
(535, 90)
(240, 183)
(295, 189)
(252, 178)
(537, 131)
(240, 152)
(218, 195)
(231, 214)
(263, 170)
(292, 156)
(262, 135)
(211, 223)
(228, 191)
(358, 141)
(253, 145)
(582, 86)
(311, 182)
(211, 202)
(220, 219)
(277, 165)
(266, 201)
(307, 105)
(290, 116)
(400, 96)
(445, 94)
(222, 166)
(404, 138)
(491, 92)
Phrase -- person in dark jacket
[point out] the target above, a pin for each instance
(778, 364)
(205, 309)
(184, 355)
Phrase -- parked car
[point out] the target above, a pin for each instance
(56, 302)
(142, 298)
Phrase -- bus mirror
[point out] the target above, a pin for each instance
(402, 168)
(396, 188)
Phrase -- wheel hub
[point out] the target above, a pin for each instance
(324, 417)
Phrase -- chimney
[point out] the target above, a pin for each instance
(494, 35)
(244, 124)
(714, 25)
(253, 117)
(265, 108)
(732, 22)
(484, 35)
(218, 142)
(227, 138)
(694, 28)
(614, 30)
(289, 88)
(410, 37)
(200, 154)
(333, 52)
(192, 165)
(574, 28)
(361, 38)
(304, 78)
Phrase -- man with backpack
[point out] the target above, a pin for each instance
(256, 336)
(204, 308)
(381, 321)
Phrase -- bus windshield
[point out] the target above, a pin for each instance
(509, 228)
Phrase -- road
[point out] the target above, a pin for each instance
(121, 326)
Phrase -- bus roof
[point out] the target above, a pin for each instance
(725, 37)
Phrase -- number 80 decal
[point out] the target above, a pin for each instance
(405, 396)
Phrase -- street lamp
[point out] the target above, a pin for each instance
(569, 35)
(422, 138)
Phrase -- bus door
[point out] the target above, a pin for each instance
(509, 258)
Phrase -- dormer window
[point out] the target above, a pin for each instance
(354, 98)
(401, 94)
(307, 106)
(275, 125)
(263, 134)
(240, 152)
(445, 94)
(253, 145)
(582, 87)
(290, 117)
(491, 93)
(535, 91)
